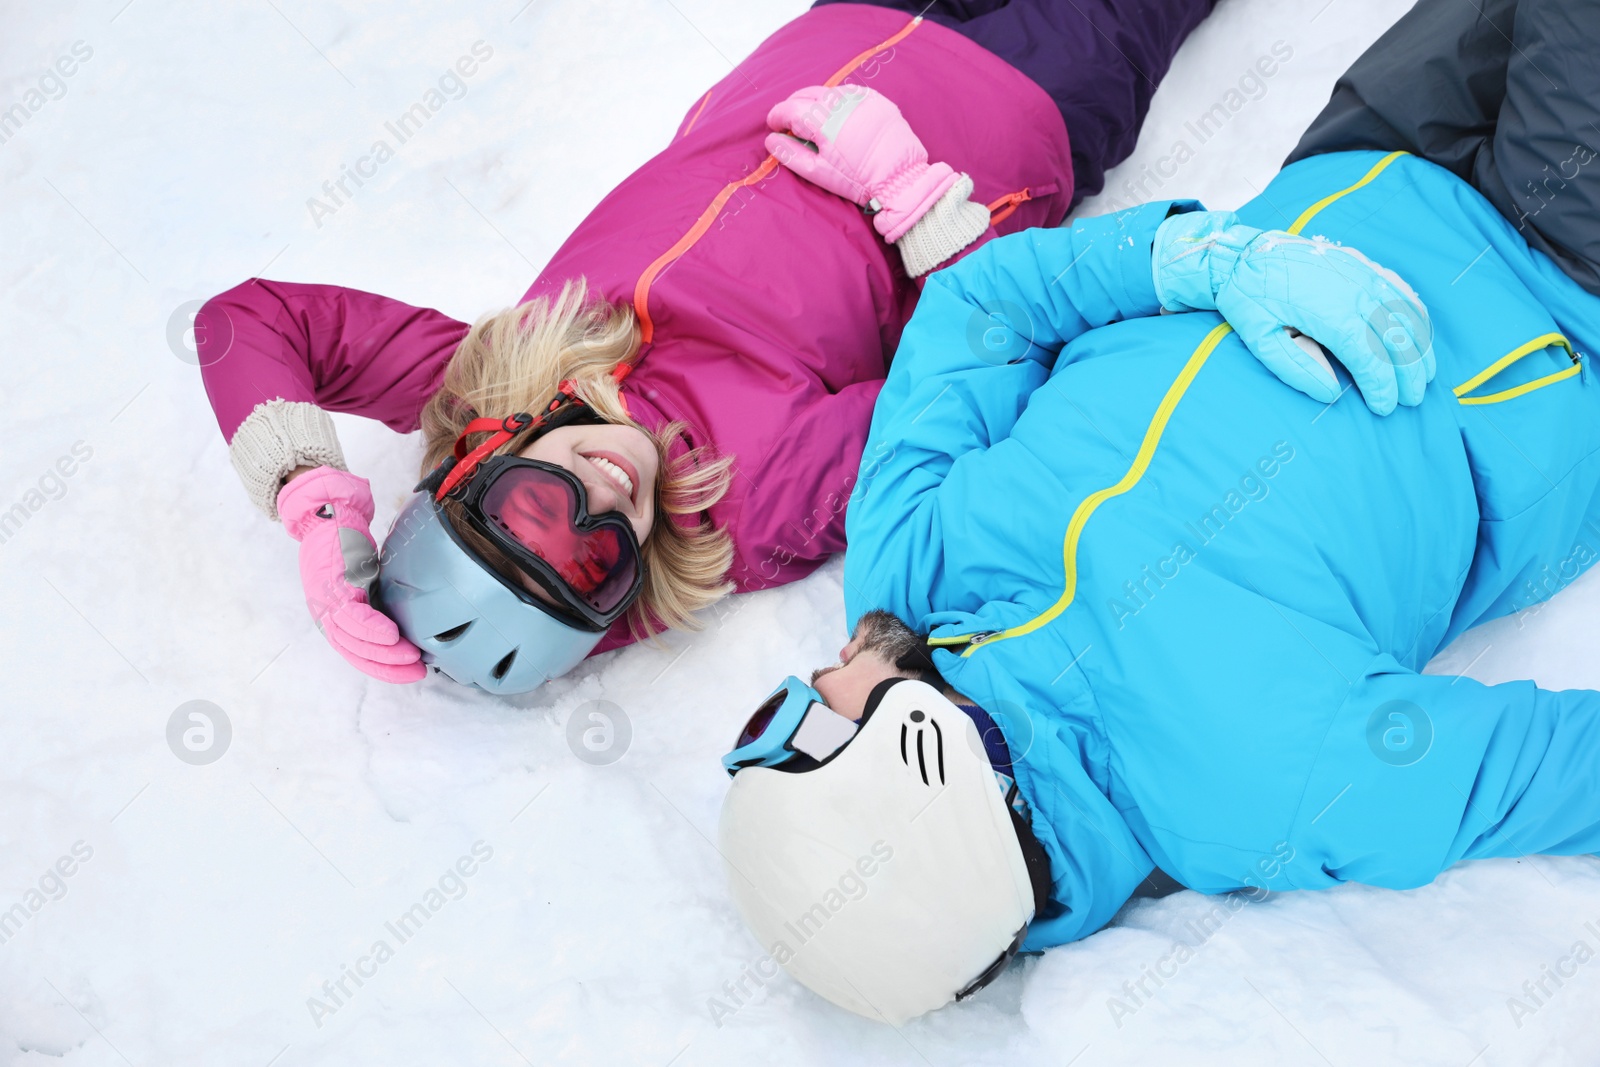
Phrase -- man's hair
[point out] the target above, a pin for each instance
(896, 642)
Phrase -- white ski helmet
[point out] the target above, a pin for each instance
(890, 878)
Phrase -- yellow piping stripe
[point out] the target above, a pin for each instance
(1147, 450)
(1309, 213)
(1525, 387)
(1080, 517)
(1538, 344)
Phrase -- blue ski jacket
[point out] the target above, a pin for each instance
(1197, 601)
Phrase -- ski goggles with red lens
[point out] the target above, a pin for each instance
(794, 727)
(587, 567)
(537, 514)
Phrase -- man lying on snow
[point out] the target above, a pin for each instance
(1185, 608)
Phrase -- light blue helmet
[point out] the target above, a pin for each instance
(470, 623)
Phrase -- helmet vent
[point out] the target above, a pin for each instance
(501, 668)
(454, 632)
(922, 746)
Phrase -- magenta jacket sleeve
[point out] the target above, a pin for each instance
(340, 349)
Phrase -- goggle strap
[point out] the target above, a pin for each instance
(618, 374)
(993, 971)
(500, 431)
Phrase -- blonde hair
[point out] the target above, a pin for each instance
(515, 360)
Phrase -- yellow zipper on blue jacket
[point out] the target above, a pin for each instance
(1538, 344)
(1152, 438)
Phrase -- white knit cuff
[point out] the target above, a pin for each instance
(278, 436)
(950, 225)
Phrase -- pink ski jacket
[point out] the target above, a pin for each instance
(769, 307)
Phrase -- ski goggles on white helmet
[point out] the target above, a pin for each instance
(793, 723)
(889, 876)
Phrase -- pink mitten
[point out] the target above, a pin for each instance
(853, 142)
(330, 513)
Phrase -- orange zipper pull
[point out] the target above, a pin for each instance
(1001, 209)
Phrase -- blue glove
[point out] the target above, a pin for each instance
(1269, 284)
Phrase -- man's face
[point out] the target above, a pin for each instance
(879, 640)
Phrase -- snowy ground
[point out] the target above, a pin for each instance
(207, 904)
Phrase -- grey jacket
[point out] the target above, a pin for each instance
(1506, 95)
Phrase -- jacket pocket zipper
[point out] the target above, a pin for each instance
(1001, 209)
(1499, 366)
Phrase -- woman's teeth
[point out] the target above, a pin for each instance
(615, 473)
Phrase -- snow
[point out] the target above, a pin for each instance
(208, 903)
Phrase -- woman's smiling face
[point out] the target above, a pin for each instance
(618, 466)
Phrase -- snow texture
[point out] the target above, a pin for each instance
(208, 904)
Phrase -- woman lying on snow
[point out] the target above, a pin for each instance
(1178, 611)
(715, 332)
